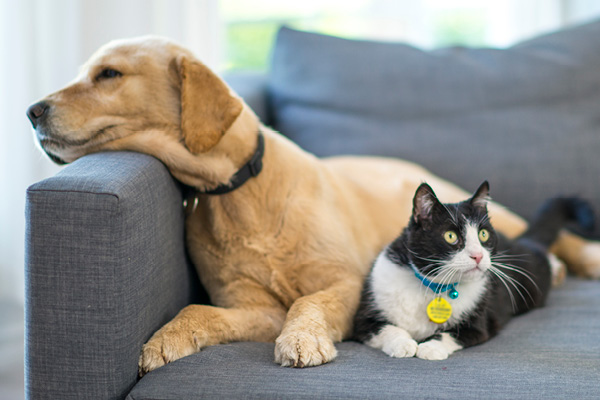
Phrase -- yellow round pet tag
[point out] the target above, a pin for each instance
(439, 310)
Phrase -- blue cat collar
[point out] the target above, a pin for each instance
(437, 287)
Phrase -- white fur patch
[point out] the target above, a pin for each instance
(403, 299)
(438, 349)
(394, 341)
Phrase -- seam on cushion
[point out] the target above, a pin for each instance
(434, 116)
(72, 191)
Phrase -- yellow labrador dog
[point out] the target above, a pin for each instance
(284, 254)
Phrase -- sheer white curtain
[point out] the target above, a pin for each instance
(42, 43)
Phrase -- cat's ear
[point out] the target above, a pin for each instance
(481, 197)
(423, 203)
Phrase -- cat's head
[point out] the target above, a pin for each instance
(451, 242)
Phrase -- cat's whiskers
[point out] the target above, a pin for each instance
(520, 270)
(453, 216)
(433, 274)
(430, 276)
(509, 257)
(503, 275)
(484, 220)
(412, 252)
(507, 252)
(450, 273)
(510, 294)
(447, 275)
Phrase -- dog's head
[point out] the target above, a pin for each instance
(129, 93)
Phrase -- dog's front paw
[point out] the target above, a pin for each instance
(304, 349)
(167, 345)
(590, 260)
(151, 358)
(558, 270)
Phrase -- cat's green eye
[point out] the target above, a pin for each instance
(484, 235)
(451, 237)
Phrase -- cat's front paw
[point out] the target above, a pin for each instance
(438, 349)
(395, 342)
(432, 350)
(400, 347)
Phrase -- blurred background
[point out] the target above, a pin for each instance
(43, 42)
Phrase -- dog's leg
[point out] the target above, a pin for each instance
(198, 326)
(582, 256)
(315, 322)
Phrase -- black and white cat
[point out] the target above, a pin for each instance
(451, 267)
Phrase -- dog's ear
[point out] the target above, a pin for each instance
(207, 107)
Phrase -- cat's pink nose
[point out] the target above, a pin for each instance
(477, 257)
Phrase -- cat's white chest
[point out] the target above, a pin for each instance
(403, 299)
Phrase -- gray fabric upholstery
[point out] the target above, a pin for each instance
(105, 268)
(525, 118)
(551, 353)
(252, 87)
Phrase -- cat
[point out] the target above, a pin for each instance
(449, 281)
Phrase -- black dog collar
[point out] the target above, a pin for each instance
(250, 169)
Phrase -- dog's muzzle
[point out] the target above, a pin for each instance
(37, 113)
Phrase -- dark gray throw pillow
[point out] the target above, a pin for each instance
(527, 118)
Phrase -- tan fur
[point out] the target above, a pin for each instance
(203, 123)
(282, 257)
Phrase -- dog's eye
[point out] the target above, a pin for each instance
(108, 73)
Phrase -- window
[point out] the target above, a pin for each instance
(249, 28)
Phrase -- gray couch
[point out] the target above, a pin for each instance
(106, 264)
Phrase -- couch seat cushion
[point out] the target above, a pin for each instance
(553, 352)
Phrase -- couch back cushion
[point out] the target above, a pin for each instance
(527, 118)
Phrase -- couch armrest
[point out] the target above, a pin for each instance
(105, 268)
(252, 87)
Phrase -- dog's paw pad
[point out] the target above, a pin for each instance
(558, 270)
(164, 347)
(150, 359)
(303, 349)
(590, 259)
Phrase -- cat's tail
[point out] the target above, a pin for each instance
(556, 214)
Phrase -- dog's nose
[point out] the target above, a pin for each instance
(37, 111)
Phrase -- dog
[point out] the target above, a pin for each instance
(281, 239)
